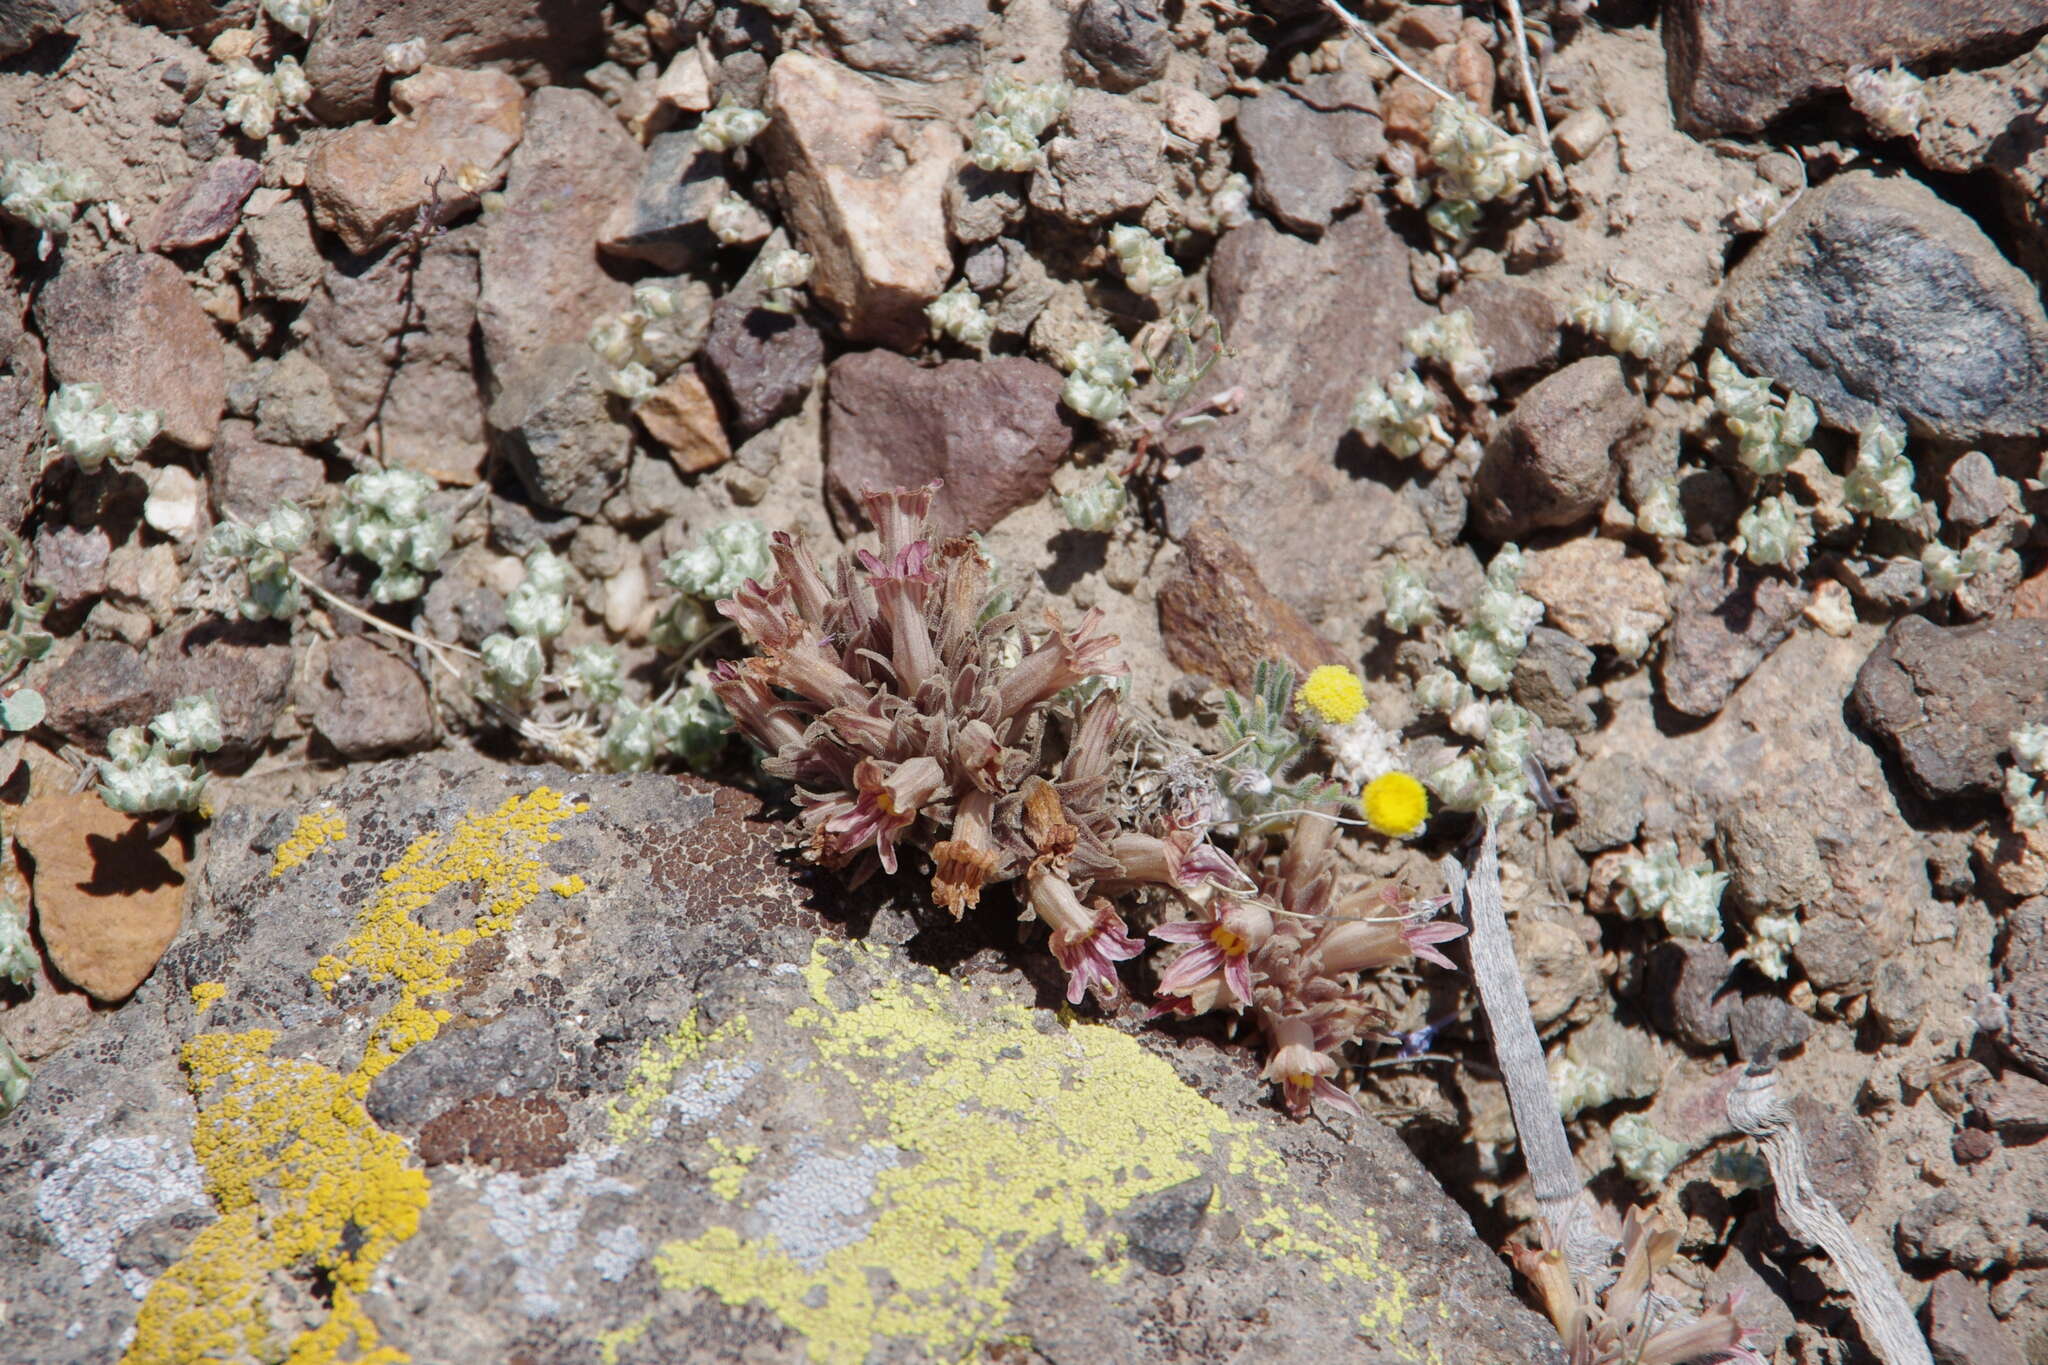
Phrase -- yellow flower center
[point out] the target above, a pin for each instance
(1230, 941)
(1333, 693)
(1395, 804)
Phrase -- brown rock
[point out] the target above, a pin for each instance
(534, 39)
(524, 1134)
(1949, 698)
(1557, 970)
(1592, 587)
(541, 281)
(1219, 620)
(1107, 160)
(1735, 65)
(992, 431)
(108, 901)
(1961, 1329)
(370, 703)
(451, 136)
(130, 323)
(21, 403)
(1552, 462)
(2015, 1106)
(682, 415)
(764, 361)
(206, 210)
(1730, 616)
(1520, 325)
(865, 196)
(1315, 150)
(247, 478)
(283, 260)
(104, 685)
(71, 564)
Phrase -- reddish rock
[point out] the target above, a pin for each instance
(71, 564)
(1593, 587)
(448, 142)
(1219, 620)
(130, 324)
(369, 703)
(1520, 325)
(208, 208)
(248, 478)
(764, 361)
(108, 900)
(1949, 698)
(992, 431)
(1551, 463)
(534, 39)
(104, 685)
(682, 415)
(1729, 618)
(1961, 1329)
(1315, 148)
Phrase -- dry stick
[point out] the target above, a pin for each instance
(1754, 1107)
(433, 647)
(1364, 30)
(1551, 171)
(1553, 1176)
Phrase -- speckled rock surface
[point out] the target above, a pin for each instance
(510, 1064)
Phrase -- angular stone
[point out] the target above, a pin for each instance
(1315, 150)
(21, 403)
(1121, 44)
(1899, 1002)
(663, 223)
(864, 194)
(1219, 620)
(1549, 677)
(130, 324)
(108, 900)
(541, 283)
(1736, 65)
(1961, 1329)
(104, 685)
(1947, 699)
(1689, 997)
(71, 565)
(920, 40)
(683, 416)
(2015, 1106)
(982, 205)
(992, 431)
(555, 423)
(24, 23)
(1520, 325)
(369, 703)
(1551, 463)
(2025, 1036)
(1773, 864)
(1608, 791)
(397, 344)
(1558, 972)
(207, 209)
(1107, 160)
(1163, 1227)
(1592, 589)
(1874, 297)
(283, 260)
(1729, 618)
(1762, 1024)
(295, 402)
(1977, 494)
(764, 361)
(248, 477)
(536, 40)
(448, 141)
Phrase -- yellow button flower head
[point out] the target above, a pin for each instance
(1333, 693)
(1394, 804)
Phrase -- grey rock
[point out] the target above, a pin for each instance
(283, 261)
(921, 40)
(764, 361)
(369, 703)
(1107, 161)
(604, 1048)
(24, 23)
(1551, 463)
(982, 205)
(653, 492)
(1980, 1222)
(1688, 997)
(1120, 44)
(208, 208)
(1837, 952)
(1840, 1155)
(1608, 791)
(556, 424)
(71, 565)
(1883, 586)
(21, 403)
(992, 431)
(1765, 1024)
(1313, 154)
(459, 606)
(131, 324)
(1735, 65)
(201, 128)
(1977, 494)
(985, 268)
(1730, 617)
(295, 402)
(535, 39)
(1760, 1306)
(1558, 971)
(1520, 325)
(663, 223)
(1899, 1002)
(1549, 677)
(1961, 1329)
(518, 529)
(2015, 1106)
(1875, 298)
(2025, 1036)
(1947, 699)
(2026, 939)
(104, 685)
(247, 478)
(1773, 864)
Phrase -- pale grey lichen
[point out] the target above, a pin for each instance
(1410, 603)
(1623, 323)
(1147, 268)
(1449, 340)
(1497, 628)
(95, 1195)
(958, 313)
(825, 1202)
(538, 1219)
(1097, 505)
(1399, 416)
(1102, 371)
(730, 125)
(1771, 432)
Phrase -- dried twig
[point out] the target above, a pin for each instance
(434, 648)
(1359, 28)
(1552, 173)
(1754, 1107)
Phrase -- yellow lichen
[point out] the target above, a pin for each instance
(726, 1176)
(569, 885)
(655, 1070)
(316, 830)
(301, 1175)
(1008, 1135)
(206, 993)
(609, 1344)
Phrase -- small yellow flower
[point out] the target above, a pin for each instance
(1394, 804)
(1333, 693)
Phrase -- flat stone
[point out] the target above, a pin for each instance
(108, 900)
(1735, 65)
(683, 416)
(765, 362)
(555, 423)
(2015, 1106)
(1773, 864)
(1312, 160)
(369, 703)
(25, 23)
(2025, 1036)
(1162, 1227)
(1608, 791)
(295, 402)
(1551, 463)
(983, 205)
(1106, 161)
(1689, 998)
(282, 259)
(1549, 677)
(1961, 1329)
(448, 142)
(663, 222)
(1592, 588)
(1947, 699)
(1874, 297)
(1520, 325)
(541, 41)
(71, 564)
(864, 194)
(104, 685)
(541, 284)
(1729, 617)
(992, 431)
(1839, 1154)
(130, 324)
(248, 477)
(22, 395)
(207, 209)
(1899, 1003)
(919, 40)
(1218, 619)
(1558, 972)
(1120, 44)
(1977, 494)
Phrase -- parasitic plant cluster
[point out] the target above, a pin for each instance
(881, 691)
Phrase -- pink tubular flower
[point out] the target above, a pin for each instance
(1223, 947)
(1088, 944)
(755, 706)
(899, 586)
(1302, 1071)
(899, 514)
(1422, 937)
(887, 803)
(1060, 661)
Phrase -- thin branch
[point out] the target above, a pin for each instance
(1361, 29)
(434, 648)
(1552, 172)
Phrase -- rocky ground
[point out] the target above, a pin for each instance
(1667, 469)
